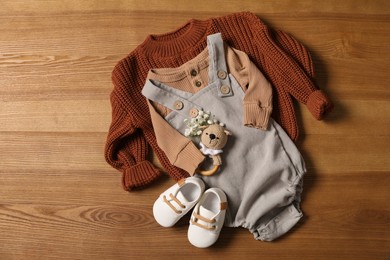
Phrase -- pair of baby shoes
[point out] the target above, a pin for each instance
(207, 217)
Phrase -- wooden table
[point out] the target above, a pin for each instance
(60, 199)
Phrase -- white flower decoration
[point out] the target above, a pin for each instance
(196, 124)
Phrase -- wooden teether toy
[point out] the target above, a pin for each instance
(213, 139)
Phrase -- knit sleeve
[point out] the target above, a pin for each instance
(126, 149)
(257, 103)
(294, 49)
(258, 99)
(293, 77)
(180, 150)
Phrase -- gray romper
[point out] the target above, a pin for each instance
(261, 171)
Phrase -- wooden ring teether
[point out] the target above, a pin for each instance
(208, 172)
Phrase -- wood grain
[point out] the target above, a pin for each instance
(59, 199)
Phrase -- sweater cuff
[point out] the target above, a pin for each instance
(256, 116)
(139, 175)
(189, 158)
(319, 104)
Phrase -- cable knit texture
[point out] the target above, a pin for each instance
(282, 59)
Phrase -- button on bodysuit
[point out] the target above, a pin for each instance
(261, 171)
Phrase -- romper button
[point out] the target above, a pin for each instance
(221, 74)
(178, 105)
(193, 72)
(225, 89)
(198, 83)
(194, 112)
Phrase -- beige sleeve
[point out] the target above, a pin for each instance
(258, 91)
(180, 150)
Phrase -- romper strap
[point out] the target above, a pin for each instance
(169, 97)
(218, 68)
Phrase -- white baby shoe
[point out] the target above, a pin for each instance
(207, 218)
(176, 201)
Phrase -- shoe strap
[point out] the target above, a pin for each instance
(168, 202)
(196, 217)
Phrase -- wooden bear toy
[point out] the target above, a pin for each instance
(214, 137)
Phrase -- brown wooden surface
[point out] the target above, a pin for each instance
(59, 198)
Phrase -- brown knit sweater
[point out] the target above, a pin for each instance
(284, 61)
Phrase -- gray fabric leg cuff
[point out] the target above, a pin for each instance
(279, 225)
